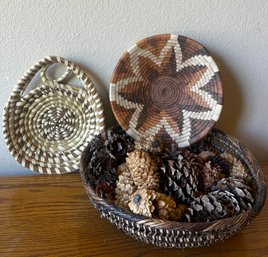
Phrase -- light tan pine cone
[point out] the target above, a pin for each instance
(142, 202)
(125, 186)
(150, 203)
(144, 170)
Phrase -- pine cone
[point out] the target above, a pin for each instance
(117, 143)
(142, 202)
(210, 175)
(148, 144)
(143, 169)
(150, 203)
(181, 177)
(238, 170)
(167, 209)
(125, 186)
(105, 184)
(104, 153)
(241, 191)
(213, 206)
(99, 164)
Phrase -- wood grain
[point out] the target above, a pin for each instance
(52, 216)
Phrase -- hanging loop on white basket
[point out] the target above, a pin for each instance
(63, 77)
(47, 129)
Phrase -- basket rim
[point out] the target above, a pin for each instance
(169, 224)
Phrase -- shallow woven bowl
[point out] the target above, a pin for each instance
(47, 129)
(167, 86)
(185, 235)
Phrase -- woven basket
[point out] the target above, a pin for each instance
(167, 86)
(47, 129)
(178, 234)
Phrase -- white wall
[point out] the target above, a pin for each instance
(95, 33)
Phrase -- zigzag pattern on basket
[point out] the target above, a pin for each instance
(169, 86)
(47, 129)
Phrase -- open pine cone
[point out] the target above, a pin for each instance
(150, 203)
(241, 191)
(181, 177)
(125, 186)
(213, 206)
(142, 202)
(144, 170)
(103, 155)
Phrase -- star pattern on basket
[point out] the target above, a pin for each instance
(162, 86)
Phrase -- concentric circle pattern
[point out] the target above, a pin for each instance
(47, 129)
(167, 86)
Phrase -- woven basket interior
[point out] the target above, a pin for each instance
(180, 234)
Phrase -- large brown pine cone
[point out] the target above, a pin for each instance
(213, 206)
(238, 187)
(181, 177)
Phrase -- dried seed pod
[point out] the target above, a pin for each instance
(205, 155)
(142, 202)
(144, 170)
(167, 209)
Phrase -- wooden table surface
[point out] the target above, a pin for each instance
(52, 216)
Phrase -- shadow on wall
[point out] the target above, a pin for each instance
(233, 99)
(104, 95)
(233, 107)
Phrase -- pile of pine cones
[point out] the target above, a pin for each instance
(186, 185)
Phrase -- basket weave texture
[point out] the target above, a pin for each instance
(179, 234)
(47, 129)
(167, 86)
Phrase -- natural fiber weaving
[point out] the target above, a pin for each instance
(47, 129)
(168, 86)
(175, 234)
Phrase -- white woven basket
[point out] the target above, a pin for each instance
(47, 129)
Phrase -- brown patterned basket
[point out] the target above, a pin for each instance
(167, 86)
(178, 234)
(47, 129)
